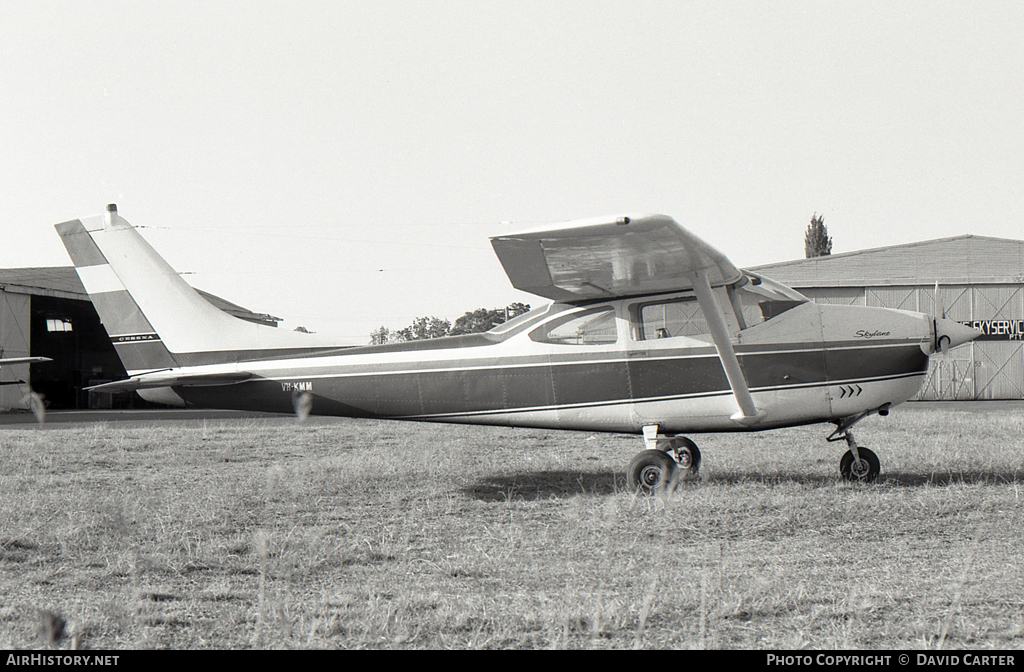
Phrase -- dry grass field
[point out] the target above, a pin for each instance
(365, 534)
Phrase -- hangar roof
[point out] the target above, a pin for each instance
(63, 282)
(966, 259)
(60, 281)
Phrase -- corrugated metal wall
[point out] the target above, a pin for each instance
(14, 342)
(838, 296)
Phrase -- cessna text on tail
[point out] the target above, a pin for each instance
(651, 331)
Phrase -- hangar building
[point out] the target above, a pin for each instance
(46, 312)
(981, 283)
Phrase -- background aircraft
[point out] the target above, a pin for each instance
(35, 400)
(652, 331)
(23, 360)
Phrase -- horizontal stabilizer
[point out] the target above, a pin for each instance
(24, 360)
(173, 379)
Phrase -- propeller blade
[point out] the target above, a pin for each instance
(303, 403)
(939, 302)
(37, 404)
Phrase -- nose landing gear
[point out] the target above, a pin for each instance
(862, 466)
(858, 463)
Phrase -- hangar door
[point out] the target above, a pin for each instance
(14, 342)
(998, 310)
(992, 367)
(950, 378)
(1000, 370)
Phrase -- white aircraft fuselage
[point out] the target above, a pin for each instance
(651, 331)
(813, 363)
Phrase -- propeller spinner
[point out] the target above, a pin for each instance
(950, 333)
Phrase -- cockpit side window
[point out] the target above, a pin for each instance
(595, 326)
(670, 319)
(753, 302)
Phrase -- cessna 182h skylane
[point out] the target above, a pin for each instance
(652, 331)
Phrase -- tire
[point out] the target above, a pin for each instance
(651, 471)
(689, 455)
(848, 471)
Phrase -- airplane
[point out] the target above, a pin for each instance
(651, 331)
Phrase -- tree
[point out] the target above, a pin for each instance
(817, 242)
(423, 328)
(472, 322)
(380, 336)
(483, 319)
(516, 309)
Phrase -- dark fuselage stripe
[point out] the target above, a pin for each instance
(460, 390)
(678, 397)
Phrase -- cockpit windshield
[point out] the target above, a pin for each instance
(763, 298)
(521, 321)
(772, 287)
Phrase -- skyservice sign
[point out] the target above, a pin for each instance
(999, 330)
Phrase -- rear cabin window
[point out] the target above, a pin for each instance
(595, 326)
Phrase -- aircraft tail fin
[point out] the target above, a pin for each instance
(135, 340)
(155, 319)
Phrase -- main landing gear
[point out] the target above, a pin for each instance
(658, 468)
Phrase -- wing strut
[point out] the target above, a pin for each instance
(748, 414)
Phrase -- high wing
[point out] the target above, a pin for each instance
(610, 257)
(628, 255)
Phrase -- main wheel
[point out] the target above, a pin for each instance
(688, 455)
(651, 471)
(865, 472)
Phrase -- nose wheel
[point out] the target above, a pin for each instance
(858, 464)
(864, 470)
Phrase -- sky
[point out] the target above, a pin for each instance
(342, 164)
